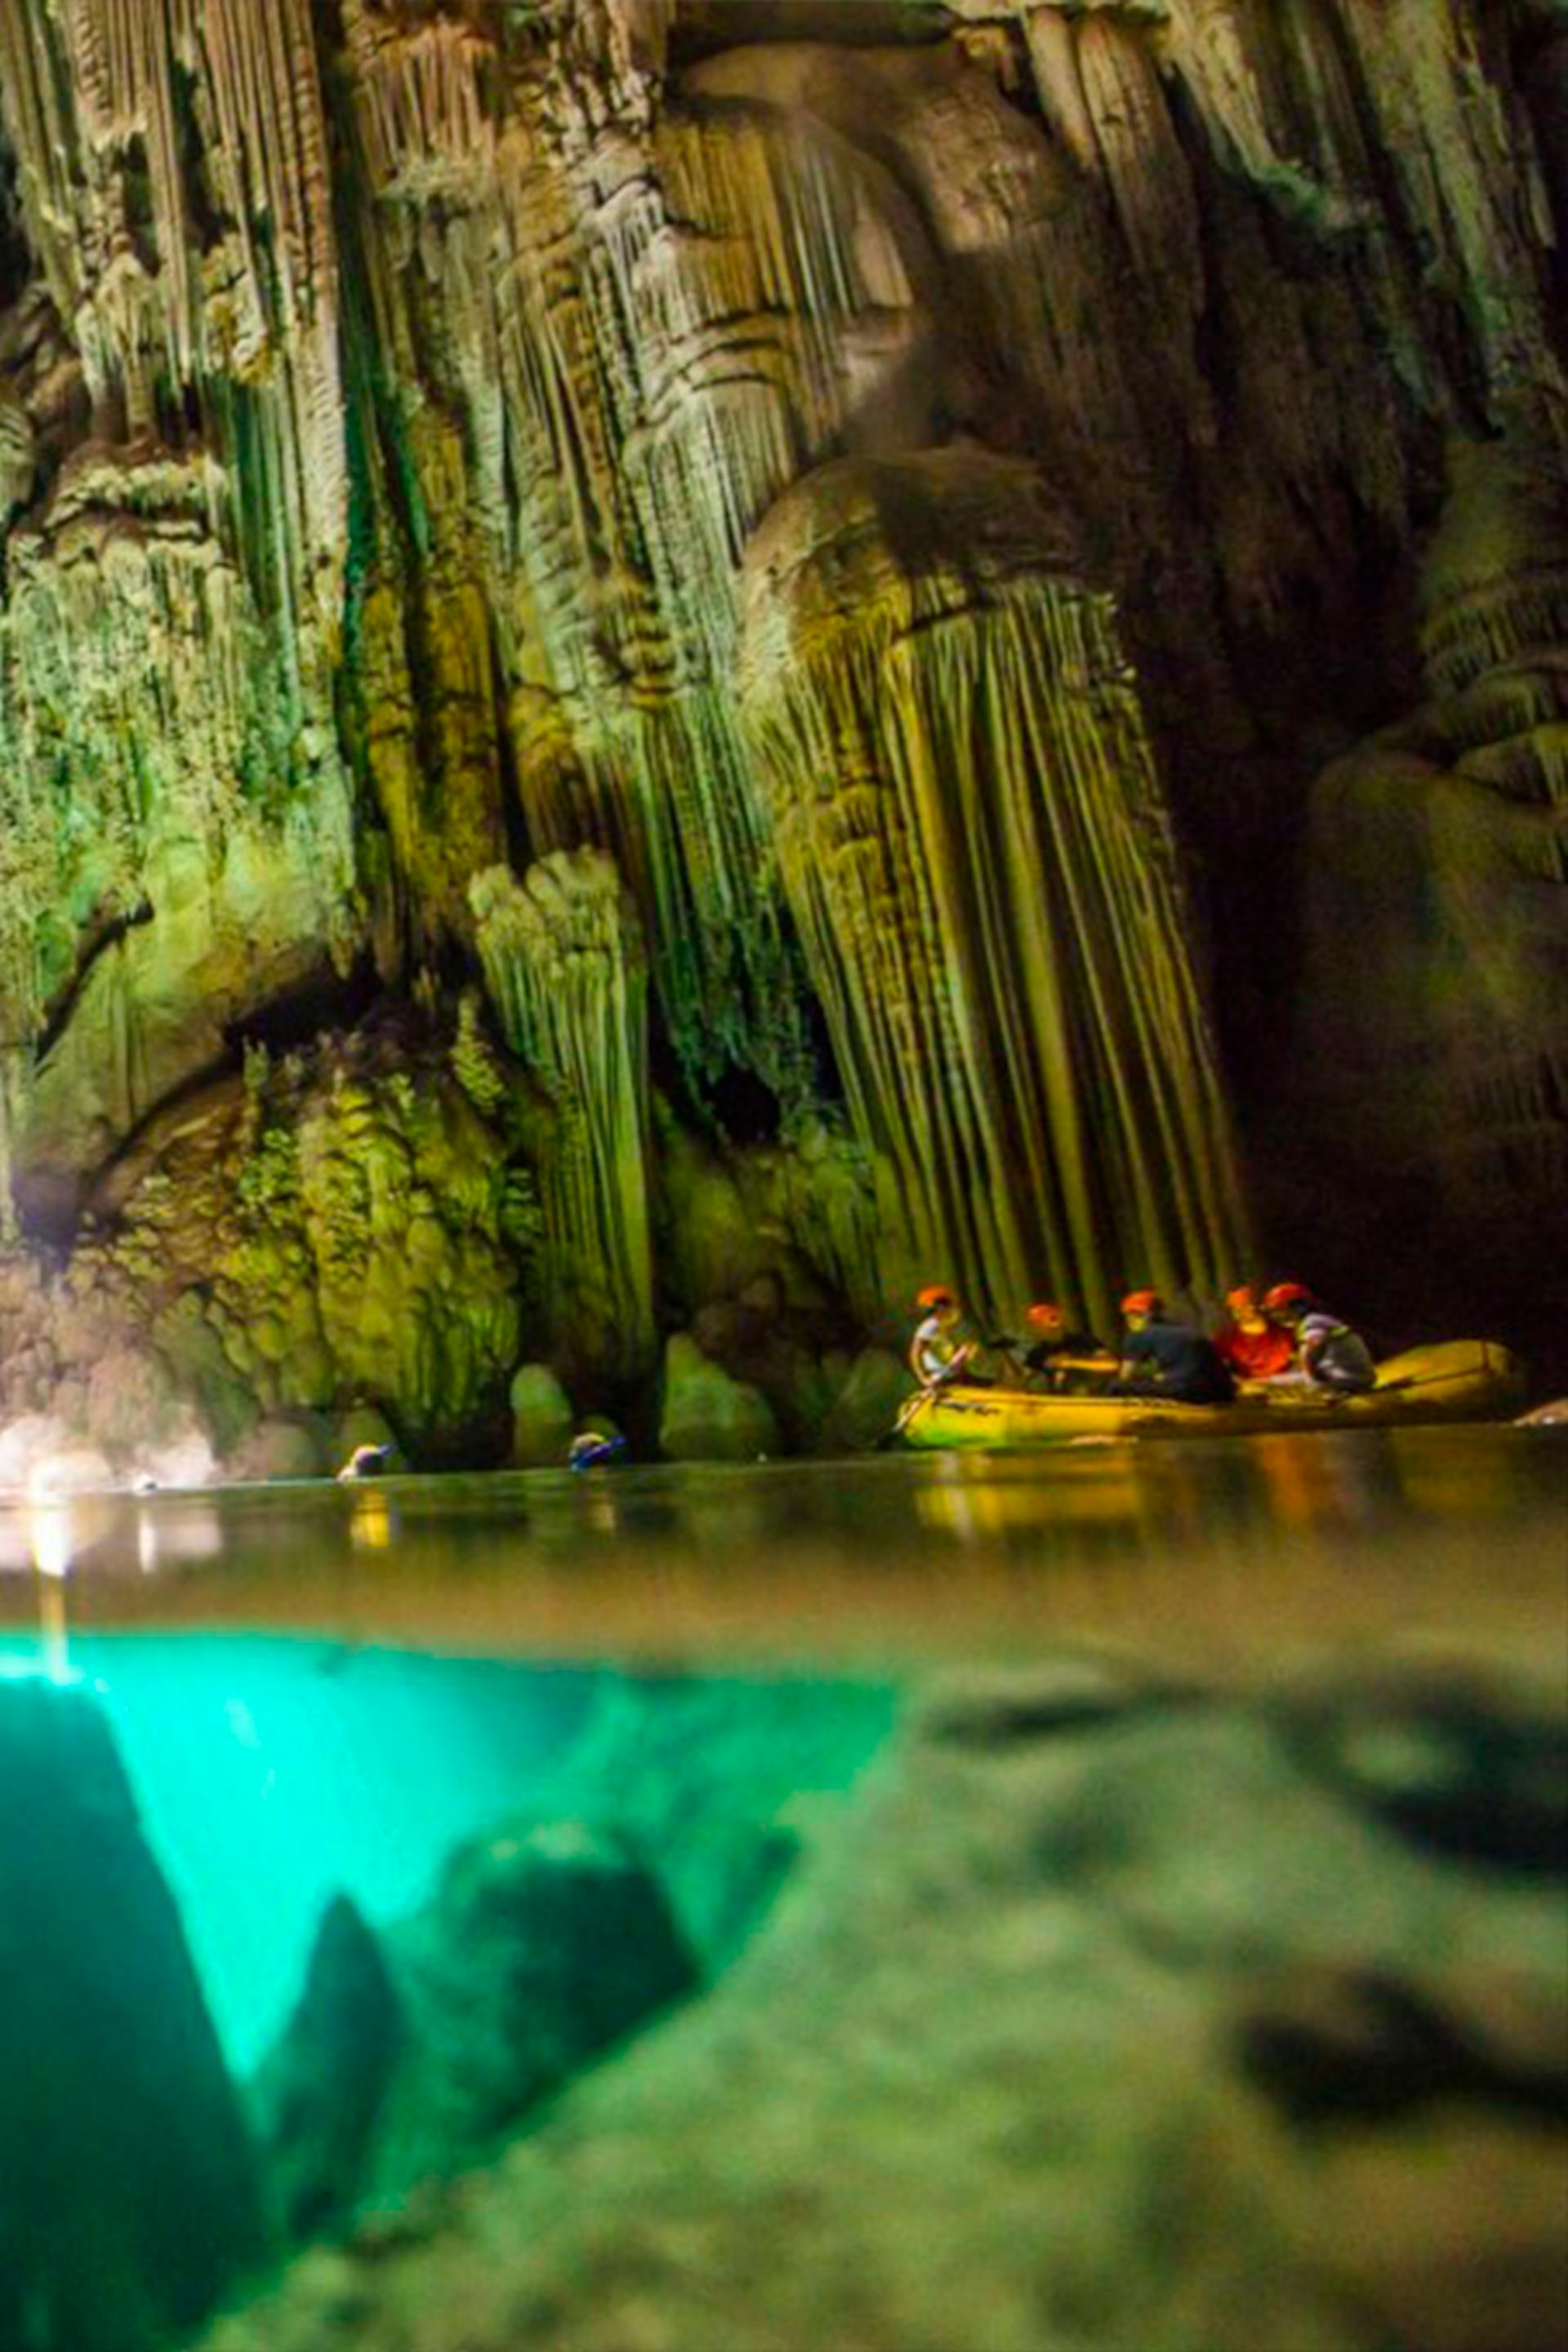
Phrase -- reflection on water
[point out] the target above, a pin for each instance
(907, 1553)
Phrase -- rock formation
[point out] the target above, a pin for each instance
(132, 2198)
(543, 1946)
(818, 553)
(1056, 2031)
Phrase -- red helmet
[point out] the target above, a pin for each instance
(1045, 1315)
(1142, 1302)
(1286, 1294)
(936, 1294)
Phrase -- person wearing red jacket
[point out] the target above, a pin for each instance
(1253, 1348)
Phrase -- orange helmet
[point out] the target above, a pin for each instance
(1243, 1299)
(1287, 1294)
(1045, 1315)
(1141, 1302)
(935, 1294)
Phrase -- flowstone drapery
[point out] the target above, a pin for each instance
(563, 956)
(975, 846)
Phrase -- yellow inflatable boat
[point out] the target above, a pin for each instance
(1465, 1380)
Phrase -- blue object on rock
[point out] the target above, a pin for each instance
(589, 1451)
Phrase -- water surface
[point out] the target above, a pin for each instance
(1196, 1547)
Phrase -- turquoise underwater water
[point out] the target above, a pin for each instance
(272, 1774)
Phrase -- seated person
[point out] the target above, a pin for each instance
(1068, 1362)
(1253, 1348)
(938, 1355)
(1169, 1360)
(1328, 1354)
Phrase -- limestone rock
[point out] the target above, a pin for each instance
(997, 2050)
(1438, 849)
(132, 2200)
(430, 437)
(321, 2089)
(283, 1449)
(953, 580)
(563, 956)
(867, 1405)
(543, 1419)
(706, 1416)
(543, 1948)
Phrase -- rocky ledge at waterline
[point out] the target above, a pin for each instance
(1115, 2012)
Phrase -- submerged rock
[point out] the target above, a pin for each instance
(129, 2201)
(1122, 2028)
(541, 1947)
(323, 2088)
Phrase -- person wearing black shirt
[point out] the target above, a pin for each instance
(1068, 1362)
(1169, 1360)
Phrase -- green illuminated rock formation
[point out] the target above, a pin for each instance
(815, 553)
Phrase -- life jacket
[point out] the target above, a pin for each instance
(1334, 1355)
(1256, 1355)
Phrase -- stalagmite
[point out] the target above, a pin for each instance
(562, 955)
(977, 849)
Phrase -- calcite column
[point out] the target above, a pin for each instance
(977, 849)
(563, 959)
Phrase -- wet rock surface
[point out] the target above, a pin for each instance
(1113, 2015)
(130, 2198)
(708, 1416)
(541, 1949)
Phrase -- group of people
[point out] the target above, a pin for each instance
(1283, 1338)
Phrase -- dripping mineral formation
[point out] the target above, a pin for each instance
(666, 665)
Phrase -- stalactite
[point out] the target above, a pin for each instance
(972, 833)
(133, 666)
(563, 960)
(668, 343)
(146, 311)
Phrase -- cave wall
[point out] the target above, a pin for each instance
(816, 556)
